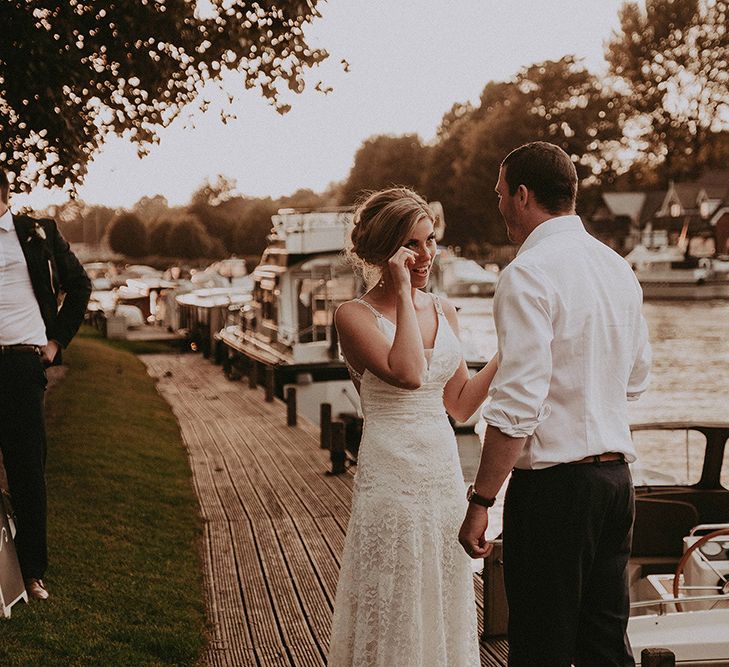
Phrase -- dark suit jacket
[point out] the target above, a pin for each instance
(60, 283)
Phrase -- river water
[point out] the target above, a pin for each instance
(690, 382)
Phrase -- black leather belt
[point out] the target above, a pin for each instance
(601, 458)
(20, 349)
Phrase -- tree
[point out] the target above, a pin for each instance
(383, 161)
(187, 238)
(673, 57)
(128, 235)
(555, 101)
(302, 198)
(158, 237)
(71, 72)
(151, 209)
(254, 225)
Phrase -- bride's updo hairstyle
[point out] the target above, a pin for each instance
(383, 220)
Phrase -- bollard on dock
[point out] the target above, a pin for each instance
(325, 424)
(338, 451)
(269, 381)
(291, 406)
(657, 657)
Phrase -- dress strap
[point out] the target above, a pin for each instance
(438, 305)
(353, 372)
(374, 310)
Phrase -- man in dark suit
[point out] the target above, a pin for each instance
(43, 295)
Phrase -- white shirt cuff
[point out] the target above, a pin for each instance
(512, 426)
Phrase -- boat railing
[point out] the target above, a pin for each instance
(662, 602)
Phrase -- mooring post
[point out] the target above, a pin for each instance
(338, 452)
(291, 406)
(269, 380)
(253, 375)
(325, 424)
(657, 657)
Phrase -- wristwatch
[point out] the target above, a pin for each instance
(476, 499)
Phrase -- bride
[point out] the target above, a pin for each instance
(405, 594)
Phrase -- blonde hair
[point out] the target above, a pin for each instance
(383, 220)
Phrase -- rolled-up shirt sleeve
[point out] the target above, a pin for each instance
(640, 375)
(523, 308)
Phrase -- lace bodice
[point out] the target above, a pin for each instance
(434, 373)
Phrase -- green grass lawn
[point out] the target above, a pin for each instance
(124, 531)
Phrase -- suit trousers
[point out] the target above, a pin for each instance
(23, 443)
(567, 536)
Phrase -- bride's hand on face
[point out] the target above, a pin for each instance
(399, 266)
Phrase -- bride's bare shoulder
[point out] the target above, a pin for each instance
(350, 312)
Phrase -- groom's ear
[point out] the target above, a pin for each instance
(522, 196)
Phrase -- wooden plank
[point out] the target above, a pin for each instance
(274, 522)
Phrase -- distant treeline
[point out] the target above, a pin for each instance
(216, 223)
(660, 113)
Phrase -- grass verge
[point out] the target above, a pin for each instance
(125, 576)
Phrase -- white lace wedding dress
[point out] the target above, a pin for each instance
(405, 596)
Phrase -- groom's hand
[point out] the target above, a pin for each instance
(472, 535)
(49, 352)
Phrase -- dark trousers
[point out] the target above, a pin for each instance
(23, 444)
(567, 535)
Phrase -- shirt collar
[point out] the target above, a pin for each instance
(6, 221)
(562, 223)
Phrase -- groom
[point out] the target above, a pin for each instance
(43, 296)
(573, 349)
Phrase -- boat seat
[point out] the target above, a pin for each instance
(659, 528)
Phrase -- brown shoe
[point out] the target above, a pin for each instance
(36, 589)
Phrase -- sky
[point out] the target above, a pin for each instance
(409, 62)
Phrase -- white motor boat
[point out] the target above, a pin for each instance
(679, 566)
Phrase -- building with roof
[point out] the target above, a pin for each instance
(693, 214)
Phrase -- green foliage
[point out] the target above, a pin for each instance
(128, 235)
(158, 233)
(303, 198)
(151, 209)
(73, 72)
(556, 101)
(673, 58)
(383, 161)
(187, 238)
(253, 226)
(124, 529)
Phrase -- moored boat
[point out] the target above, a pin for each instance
(665, 273)
(679, 566)
(288, 326)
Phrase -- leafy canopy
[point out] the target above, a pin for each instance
(73, 71)
(672, 56)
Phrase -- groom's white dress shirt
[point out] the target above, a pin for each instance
(20, 316)
(573, 347)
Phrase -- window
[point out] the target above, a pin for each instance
(675, 210)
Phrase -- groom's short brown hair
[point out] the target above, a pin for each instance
(547, 171)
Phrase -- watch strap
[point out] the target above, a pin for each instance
(478, 499)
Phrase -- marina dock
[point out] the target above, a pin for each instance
(273, 521)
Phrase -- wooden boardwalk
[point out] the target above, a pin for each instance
(274, 523)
